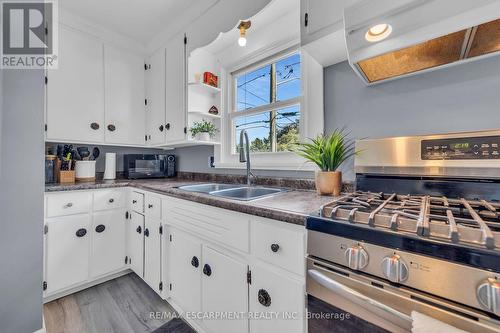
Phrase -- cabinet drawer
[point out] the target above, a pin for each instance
(68, 203)
(220, 225)
(279, 245)
(152, 206)
(137, 202)
(109, 199)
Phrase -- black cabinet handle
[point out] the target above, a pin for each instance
(167, 126)
(161, 128)
(94, 126)
(111, 128)
(81, 232)
(195, 262)
(139, 229)
(134, 201)
(207, 270)
(275, 247)
(150, 206)
(146, 232)
(264, 298)
(100, 228)
(111, 200)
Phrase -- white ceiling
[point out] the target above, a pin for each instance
(136, 19)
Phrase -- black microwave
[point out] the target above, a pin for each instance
(149, 166)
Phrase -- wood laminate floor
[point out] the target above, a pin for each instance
(122, 305)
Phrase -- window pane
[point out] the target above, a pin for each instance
(254, 88)
(259, 131)
(288, 73)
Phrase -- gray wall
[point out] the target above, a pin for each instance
(21, 200)
(461, 98)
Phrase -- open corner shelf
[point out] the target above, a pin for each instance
(202, 87)
(204, 114)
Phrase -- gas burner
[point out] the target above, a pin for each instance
(461, 221)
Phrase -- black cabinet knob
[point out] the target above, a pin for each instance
(111, 128)
(207, 270)
(94, 126)
(111, 200)
(161, 128)
(134, 201)
(195, 262)
(150, 206)
(139, 229)
(275, 247)
(146, 232)
(167, 126)
(100, 228)
(264, 298)
(81, 232)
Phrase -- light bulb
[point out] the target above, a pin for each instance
(242, 41)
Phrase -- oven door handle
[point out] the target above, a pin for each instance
(352, 294)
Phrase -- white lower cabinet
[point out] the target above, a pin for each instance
(278, 297)
(108, 242)
(135, 243)
(224, 292)
(234, 289)
(152, 253)
(184, 270)
(67, 251)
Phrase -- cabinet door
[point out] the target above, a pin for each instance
(176, 86)
(125, 97)
(277, 294)
(152, 253)
(224, 290)
(75, 91)
(135, 243)
(108, 242)
(67, 257)
(155, 91)
(323, 17)
(184, 269)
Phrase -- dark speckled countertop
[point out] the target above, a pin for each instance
(292, 206)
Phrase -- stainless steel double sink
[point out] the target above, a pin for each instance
(237, 192)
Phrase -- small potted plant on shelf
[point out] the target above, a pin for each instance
(328, 152)
(203, 130)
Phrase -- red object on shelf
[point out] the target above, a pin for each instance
(211, 79)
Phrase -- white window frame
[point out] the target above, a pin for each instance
(225, 153)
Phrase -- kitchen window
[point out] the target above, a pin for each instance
(266, 103)
(277, 97)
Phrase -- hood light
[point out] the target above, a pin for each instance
(378, 32)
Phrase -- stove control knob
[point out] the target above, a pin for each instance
(357, 257)
(394, 268)
(488, 295)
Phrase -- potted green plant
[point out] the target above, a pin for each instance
(328, 152)
(203, 130)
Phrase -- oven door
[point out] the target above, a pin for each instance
(381, 306)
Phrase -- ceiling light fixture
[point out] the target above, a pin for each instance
(243, 27)
(378, 32)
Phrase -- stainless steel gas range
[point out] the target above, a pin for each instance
(420, 233)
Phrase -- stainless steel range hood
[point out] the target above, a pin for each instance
(425, 35)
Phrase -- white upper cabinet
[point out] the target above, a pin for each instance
(125, 97)
(321, 17)
(155, 92)
(176, 90)
(75, 91)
